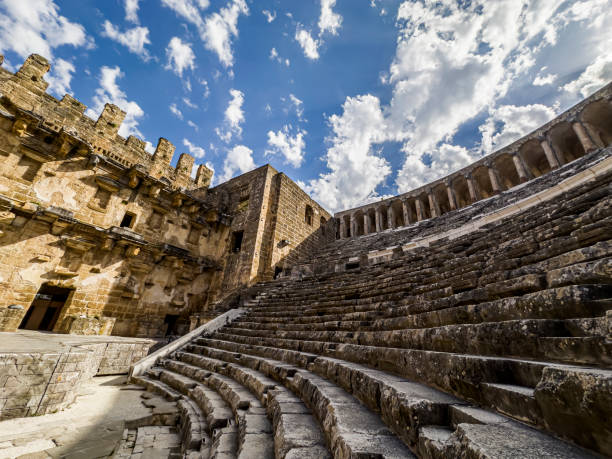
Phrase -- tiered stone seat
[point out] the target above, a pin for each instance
(493, 344)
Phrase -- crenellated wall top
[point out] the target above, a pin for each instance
(26, 90)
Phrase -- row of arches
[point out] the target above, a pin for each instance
(563, 143)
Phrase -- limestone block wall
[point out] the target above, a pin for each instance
(37, 383)
(301, 226)
(140, 245)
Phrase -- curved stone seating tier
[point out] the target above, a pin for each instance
(495, 343)
(337, 254)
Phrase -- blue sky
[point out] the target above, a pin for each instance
(354, 99)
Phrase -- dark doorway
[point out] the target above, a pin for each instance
(45, 309)
(277, 272)
(171, 320)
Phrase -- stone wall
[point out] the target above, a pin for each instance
(141, 246)
(37, 383)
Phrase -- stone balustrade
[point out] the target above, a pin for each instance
(583, 128)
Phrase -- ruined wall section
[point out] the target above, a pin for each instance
(26, 89)
(80, 211)
(247, 200)
(300, 227)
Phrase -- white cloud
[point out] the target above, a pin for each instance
(188, 10)
(135, 39)
(219, 28)
(131, 10)
(543, 79)
(309, 45)
(35, 26)
(206, 88)
(291, 147)
(188, 102)
(238, 161)
(234, 117)
(594, 77)
(274, 55)
(453, 62)
(194, 150)
(60, 77)
(180, 56)
(355, 169)
(270, 16)
(329, 21)
(298, 105)
(508, 123)
(193, 125)
(175, 110)
(109, 91)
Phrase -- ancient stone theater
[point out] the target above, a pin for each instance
(469, 318)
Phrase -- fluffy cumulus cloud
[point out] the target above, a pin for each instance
(238, 161)
(309, 45)
(131, 10)
(194, 150)
(109, 91)
(35, 26)
(455, 61)
(60, 77)
(508, 123)
(233, 117)
(290, 147)
(329, 21)
(180, 56)
(355, 168)
(594, 77)
(220, 28)
(217, 30)
(134, 39)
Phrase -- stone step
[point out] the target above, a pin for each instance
(351, 429)
(434, 442)
(508, 338)
(295, 430)
(463, 375)
(192, 425)
(516, 401)
(576, 301)
(255, 431)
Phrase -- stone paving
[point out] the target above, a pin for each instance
(92, 427)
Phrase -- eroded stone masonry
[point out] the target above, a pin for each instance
(97, 236)
(468, 318)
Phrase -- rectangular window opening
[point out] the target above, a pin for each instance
(128, 220)
(237, 241)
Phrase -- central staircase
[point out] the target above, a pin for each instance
(493, 344)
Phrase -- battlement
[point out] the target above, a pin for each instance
(26, 90)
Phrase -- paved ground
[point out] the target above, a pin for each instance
(91, 428)
(37, 341)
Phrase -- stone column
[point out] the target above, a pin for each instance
(406, 212)
(342, 228)
(390, 216)
(366, 223)
(493, 178)
(472, 188)
(584, 137)
(378, 218)
(353, 226)
(419, 209)
(553, 162)
(520, 169)
(452, 199)
(434, 208)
